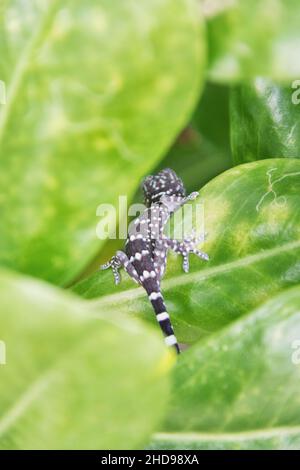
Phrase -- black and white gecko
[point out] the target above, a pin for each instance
(146, 247)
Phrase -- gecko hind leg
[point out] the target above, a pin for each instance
(115, 264)
(120, 260)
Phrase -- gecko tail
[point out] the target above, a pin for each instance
(162, 316)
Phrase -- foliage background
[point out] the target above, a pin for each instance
(99, 94)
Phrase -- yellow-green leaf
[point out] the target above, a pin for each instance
(71, 380)
(96, 91)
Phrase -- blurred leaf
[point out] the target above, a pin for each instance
(211, 116)
(244, 378)
(74, 381)
(96, 91)
(195, 159)
(265, 122)
(252, 217)
(202, 150)
(248, 38)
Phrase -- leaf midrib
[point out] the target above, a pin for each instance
(24, 402)
(233, 436)
(182, 279)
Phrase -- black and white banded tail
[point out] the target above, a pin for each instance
(162, 316)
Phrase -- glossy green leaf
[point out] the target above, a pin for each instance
(71, 380)
(244, 378)
(265, 121)
(253, 37)
(96, 91)
(252, 220)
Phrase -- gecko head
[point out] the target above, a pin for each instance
(164, 183)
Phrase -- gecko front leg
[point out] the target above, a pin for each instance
(121, 260)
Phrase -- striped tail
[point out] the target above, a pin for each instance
(162, 316)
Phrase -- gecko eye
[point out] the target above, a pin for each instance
(166, 182)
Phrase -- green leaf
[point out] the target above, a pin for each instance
(244, 378)
(71, 380)
(96, 92)
(253, 37)
(252, 220)
(265, 121)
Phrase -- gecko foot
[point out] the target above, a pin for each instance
(115, 264)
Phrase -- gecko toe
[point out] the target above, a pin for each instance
(102, 267)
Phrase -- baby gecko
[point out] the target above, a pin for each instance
(146, 248)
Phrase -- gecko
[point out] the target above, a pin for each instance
(146, 248)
